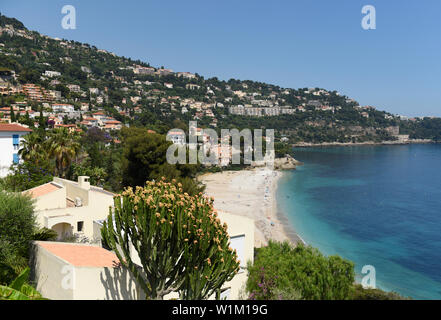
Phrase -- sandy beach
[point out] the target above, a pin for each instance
(251, 193)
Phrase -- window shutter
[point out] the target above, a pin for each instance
(16, 158)
(15, 139)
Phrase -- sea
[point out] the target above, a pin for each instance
(379, 206)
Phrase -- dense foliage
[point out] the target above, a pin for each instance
(281, 269)
(426, 128)
(17, 227)
(284, 272)
(144, 158)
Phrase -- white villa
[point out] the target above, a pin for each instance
(71, 271)
(11, 134)
(70, 207)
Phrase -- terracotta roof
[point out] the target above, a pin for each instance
(6, 127)
(42, 190)
(81, 255)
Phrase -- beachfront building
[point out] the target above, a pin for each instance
(72, 271)
(11, 134)
(70, 207)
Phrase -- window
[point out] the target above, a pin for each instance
(15, 139)
(238, 243)
(15, 158)
(80, 226)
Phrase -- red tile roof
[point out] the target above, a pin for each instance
(6, 127)
(80, 255)
(42, 190)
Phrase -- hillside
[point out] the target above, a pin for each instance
(135, 93)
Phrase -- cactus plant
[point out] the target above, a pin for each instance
(181, 243)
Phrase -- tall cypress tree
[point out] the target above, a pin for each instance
(12, 115)
(41, 122)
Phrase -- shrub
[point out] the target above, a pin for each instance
(17, 226)
(361, 293)
(282, 271)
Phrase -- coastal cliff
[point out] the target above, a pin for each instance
(286, 163)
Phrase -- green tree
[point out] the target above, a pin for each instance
(28, 175)
(63, 89)
(32, 148)
(182, 245)
(12, 115)
(63, 147)
(144, 158)
(282, 268)
(41, 121)
(17, 227)
(96, 174)
(29, 76)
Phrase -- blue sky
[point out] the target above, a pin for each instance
(292, 43)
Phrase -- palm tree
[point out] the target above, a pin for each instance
(63, 147)
(31, 147)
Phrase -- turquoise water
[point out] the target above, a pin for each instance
(374, 205)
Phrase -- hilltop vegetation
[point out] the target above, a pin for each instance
(135, 93)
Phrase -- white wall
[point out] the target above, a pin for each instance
(52, 200)
(48, 273)
(105, 283)
(95, 206)
(87, 214)
(7, 151)
(57, 279)
(241, 229)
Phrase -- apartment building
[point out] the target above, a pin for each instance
(33, 91)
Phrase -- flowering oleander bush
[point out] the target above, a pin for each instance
(267, 289)
(182, 244)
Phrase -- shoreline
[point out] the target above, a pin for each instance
(288, 228)
(367, 143)
(252, 193)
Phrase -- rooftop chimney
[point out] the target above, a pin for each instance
(83, 182)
